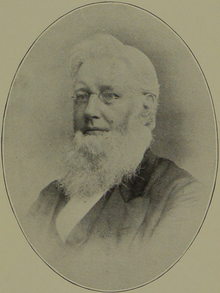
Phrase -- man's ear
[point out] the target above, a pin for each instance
(149, 109)
(149, 101)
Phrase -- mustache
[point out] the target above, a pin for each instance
(88, 130)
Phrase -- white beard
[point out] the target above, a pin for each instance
(98, 162)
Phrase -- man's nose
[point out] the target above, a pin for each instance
(93, 108)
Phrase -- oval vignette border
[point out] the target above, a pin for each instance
(216, 136)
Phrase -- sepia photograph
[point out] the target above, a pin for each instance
(109, 146)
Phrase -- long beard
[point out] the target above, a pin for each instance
(97, 163)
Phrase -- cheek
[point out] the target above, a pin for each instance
(122, 115)
(78, 117)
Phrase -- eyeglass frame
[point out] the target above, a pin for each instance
(102, 98)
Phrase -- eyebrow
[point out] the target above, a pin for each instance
(82, 89)
(106, 88)
(80, 85)
(102, 88)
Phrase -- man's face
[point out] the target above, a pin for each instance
(109, 124)
(106, 97)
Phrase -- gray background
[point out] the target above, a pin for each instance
(38, 124)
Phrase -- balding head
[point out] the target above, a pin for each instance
(103, 45)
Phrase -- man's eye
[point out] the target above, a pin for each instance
(109, 98)
(81, 97)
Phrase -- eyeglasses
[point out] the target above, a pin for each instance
(107, 98)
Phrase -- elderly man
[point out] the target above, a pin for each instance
(121, 215)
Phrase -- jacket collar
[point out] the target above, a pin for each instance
(135, 186)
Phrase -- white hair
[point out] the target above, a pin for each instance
(96, 164)
(104, 45)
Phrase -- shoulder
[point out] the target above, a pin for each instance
(178, 195)
(176, 206)
(168, 172)
(171, 187)
(177, 182)
(162, 176)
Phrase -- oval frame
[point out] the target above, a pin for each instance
(216, 133)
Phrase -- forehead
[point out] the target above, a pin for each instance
(106, 71)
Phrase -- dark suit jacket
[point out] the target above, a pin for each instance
(155, 216)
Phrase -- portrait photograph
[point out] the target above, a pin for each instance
(109, 148)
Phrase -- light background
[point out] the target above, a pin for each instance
(38, 121)
(21, 270)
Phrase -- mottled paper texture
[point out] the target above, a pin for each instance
(21, 269)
